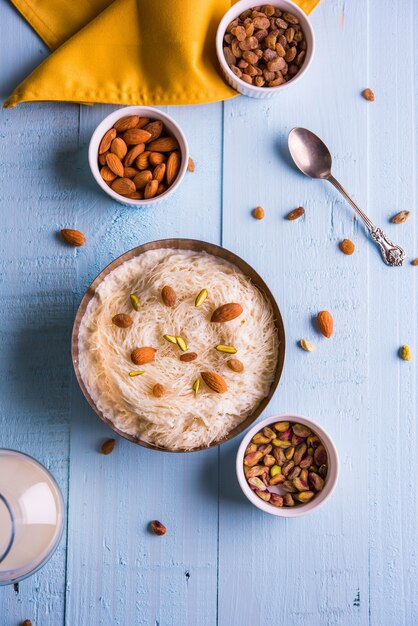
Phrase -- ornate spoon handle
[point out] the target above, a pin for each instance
(391, 253)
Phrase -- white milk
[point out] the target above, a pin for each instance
(31, 507)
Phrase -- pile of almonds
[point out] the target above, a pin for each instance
(264, 46)
(138, 158)
(288, 456)
(146, 354)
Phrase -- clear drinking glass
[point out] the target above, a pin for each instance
(31, 516)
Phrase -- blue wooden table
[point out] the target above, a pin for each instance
(223, 562)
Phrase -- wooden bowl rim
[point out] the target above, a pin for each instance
(195, 246)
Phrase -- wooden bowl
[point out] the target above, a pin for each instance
(196, 246)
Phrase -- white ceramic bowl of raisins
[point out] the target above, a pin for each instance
(264, 49)
(287, 465)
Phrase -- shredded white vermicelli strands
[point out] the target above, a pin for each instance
(179, 420)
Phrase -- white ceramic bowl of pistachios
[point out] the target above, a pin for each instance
(279, 32)
(287, 465)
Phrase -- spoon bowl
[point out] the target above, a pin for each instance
(309, 153)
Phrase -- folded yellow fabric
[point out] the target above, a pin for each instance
(151, 52)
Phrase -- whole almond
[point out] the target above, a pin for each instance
(155, 129)
(226, 312)
(235, 365)
(102, 158)
(107, 174)
(188, 357)
(119, 147)
(73, 237)
(158, 390)
(107, 140)
(123, 186)
(162, 187)
(123, 320)
(130, 172)
(325, 323)
(135, 136)
(136, 195)
(140, 356)
(142, 178)
(126, 123)
(168, 295)
(347, 246)
(414, 262)
(142, 162)
(173, 166)
(296, 213)
(163, 144)
(158, 528)
(400, 217)
(159, 172)
(115, 164)
(133, 154)
(190, 165)
(151, 189)
(214, 381)
(155, 158)
(368, 94)
(143, 121)
(108, 446)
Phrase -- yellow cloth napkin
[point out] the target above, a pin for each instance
(150, 52)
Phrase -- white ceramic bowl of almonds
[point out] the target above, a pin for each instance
(327, 482)
(160, 156)
(288, 72)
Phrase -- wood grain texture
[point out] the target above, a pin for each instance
(222, 561)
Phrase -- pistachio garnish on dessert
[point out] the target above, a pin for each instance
(134, 301)
(201, 297)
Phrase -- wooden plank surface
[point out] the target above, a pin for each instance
(222, 561)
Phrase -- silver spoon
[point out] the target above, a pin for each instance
(313, 158)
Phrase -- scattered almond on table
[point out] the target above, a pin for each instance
(414, 262)
(400, 217)
(347, 246)
(368, 94)
(296, 213)
(158, 528)
(258, 213)
(26, 622)
(325, 323)
(73, 237)
(190, 165)
(108, 446)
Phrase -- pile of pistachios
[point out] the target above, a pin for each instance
(288, 456)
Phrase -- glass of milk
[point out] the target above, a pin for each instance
(31, 516)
